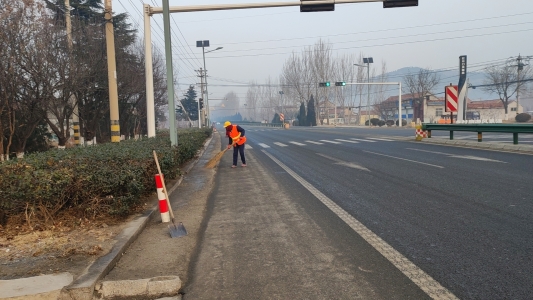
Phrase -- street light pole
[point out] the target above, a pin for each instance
(206, 91)
(368, 61)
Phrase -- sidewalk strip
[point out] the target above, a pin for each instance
(425, 282)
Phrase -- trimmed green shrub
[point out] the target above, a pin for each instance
(404, 122)
(389, 122)
(523, 117)
(106, 179)
(381, 123)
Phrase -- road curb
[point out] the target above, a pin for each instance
(83, 287)
(150, 287)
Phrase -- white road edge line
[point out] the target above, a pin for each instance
(425, 282)
(418, 162)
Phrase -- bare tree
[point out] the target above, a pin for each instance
(419, 85)
(503, 80)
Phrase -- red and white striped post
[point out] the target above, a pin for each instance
(163, 207)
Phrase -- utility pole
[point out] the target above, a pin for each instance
(112, 73)
(72, 100)
(520, 67)
(201, 72)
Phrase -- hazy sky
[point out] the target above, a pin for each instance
(257, 41)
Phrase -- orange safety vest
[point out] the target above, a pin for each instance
(236, 136)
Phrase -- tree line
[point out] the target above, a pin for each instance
(43, 77)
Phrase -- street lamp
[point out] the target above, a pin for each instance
(367, 61)
(204, 44)
(281, 96)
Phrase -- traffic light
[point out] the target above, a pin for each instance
(324, 84)
(399, 3)
(340, 83)
(201, 102)
(312, 5)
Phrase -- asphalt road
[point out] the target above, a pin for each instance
(464, 217)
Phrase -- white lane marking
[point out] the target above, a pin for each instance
(280, 144)
(459, 156)
(296, 143)
(316, 143)
(418, 162)
(380, 139)
(347, 141)
(246, 146)
(362, 140)
(344, 163)
(264, 145)
(332, 142)
(425, 282)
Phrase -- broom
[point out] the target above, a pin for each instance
(213, 161)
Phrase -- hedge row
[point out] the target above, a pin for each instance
(107, 179)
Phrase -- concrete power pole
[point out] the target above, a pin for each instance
(75, 114)
(200, 114)
(520, 67)
(112, 73)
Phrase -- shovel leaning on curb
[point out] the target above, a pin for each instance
(175, 231)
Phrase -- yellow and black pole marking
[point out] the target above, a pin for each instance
(77, 133)
(115, 131)
(479, 137)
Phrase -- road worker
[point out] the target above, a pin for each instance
(235, 133)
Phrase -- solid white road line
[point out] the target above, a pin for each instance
(472, 157)
(347, 141)
(362, 140)
(264, 145)
(280, 144)
(418, 162)
(425, 282)
(296, 143)
(332, 142)
(316, 143)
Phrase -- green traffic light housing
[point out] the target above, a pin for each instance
(340, 83)
(324, 84)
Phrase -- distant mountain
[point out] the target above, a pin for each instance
(446, 77)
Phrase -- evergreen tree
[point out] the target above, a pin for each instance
(276, 119)
(190, 104)
(311, 114)
(302, 117)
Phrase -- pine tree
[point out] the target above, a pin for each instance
(190, 104)
(302, 117)
(311, 114)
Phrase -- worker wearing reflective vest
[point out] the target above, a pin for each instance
(235, 133)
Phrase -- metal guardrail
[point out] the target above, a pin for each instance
(515, 129)
(260, 124)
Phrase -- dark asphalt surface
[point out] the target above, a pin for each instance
(464, 216)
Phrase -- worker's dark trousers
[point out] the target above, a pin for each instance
(236, 150)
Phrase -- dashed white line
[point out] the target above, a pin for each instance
(380, 139)
(280, 144)
(296, 143)
(426, 283)
(264, 145)
(246, 146)
(362, 140)
(332, 142)
(347, 141)
(316, 143)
